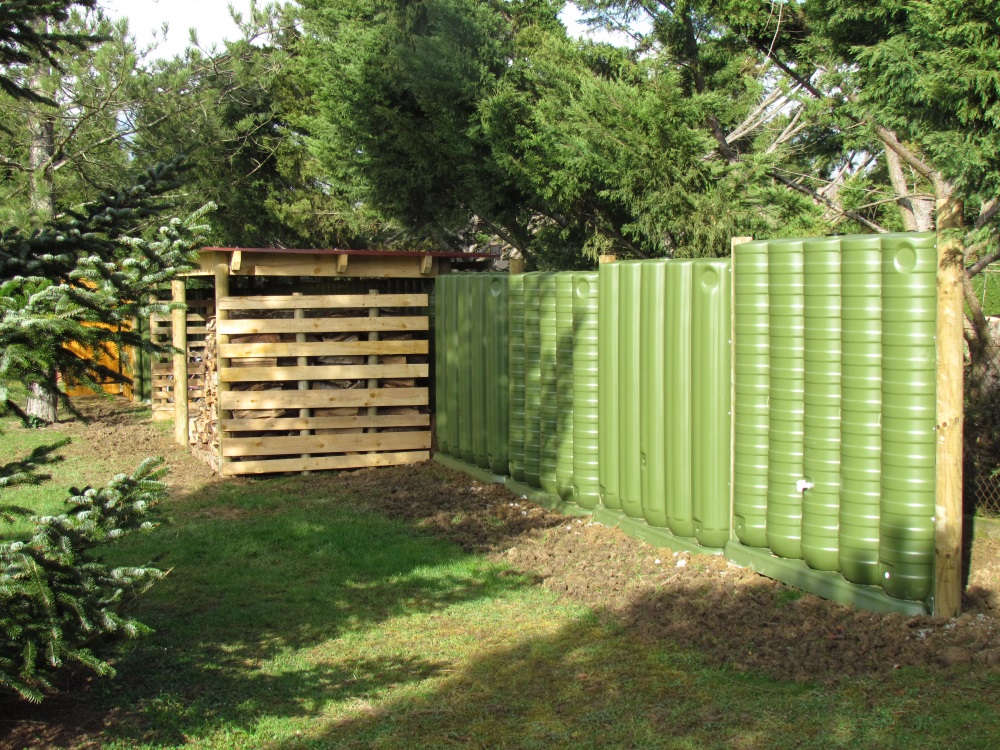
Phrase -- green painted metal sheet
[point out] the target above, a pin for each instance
(821, 458)
(906, 526)
(586, 434)
(711, 388)
(654, 376)
(861, 407)
(516, 375)
(677, 408)
(608, 384)
(786, 409)
(475, 288)
(752, 388)
(441, 326)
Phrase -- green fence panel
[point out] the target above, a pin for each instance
(786, 411)
(497, 369)
(466, 312)
(711, 389)
(752, 390)
(476, 288)
(906, 528)
(861, 408)
(653, 379)
(677, 408)
(586, 431)
(549, 413)
(455, 371)
(516, 373)
(821, 458)
(564, 384)
(532, 380)
(608, 384)
(629, 388)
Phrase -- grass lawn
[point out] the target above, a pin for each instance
(293, 617)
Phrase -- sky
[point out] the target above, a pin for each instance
(210, 17)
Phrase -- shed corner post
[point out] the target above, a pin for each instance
(178, 290)
(221, 268)
(733, 242)
(950, 409)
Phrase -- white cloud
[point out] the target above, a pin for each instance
(210, 18)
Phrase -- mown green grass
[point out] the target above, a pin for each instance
(294, 618)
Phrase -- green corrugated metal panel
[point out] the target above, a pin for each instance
(441, 324)
(586, 435)
(465, 310)
(676, 407)
(608, 384)
(906, 528)
(861, 407)
(629, 388)
(564, 384)
(549, 412)
(653, 378)
(475, 287)
(752, 385)
(786, 409)
(821, 459)
(532, 380)
(516, 372)
(497, 368)
(711, 389)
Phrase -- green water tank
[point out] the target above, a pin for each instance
(676, 410)
(752, 388)
(654, 376)
(442, 316)
(549, 411)
(821, 458)
(476, 288)
(497, 337)
(906, 525)
(516, 370)
(564, 384)
(532, 379)
(860, 408)
(629, 388)
(711, 388)
(586, 432)
(608, 384)
(786, 408)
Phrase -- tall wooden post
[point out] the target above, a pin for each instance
(948, 495)
(221, 292)
(178, 289)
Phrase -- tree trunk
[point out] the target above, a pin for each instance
(42, 404)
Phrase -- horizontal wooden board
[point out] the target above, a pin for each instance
(323, 301)
(323, 463)
(322, 372)
(323, 399)
(316, 444)
(386, 266)
(325, 423)
(324, 325)
(323, 348)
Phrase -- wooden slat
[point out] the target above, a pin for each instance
(323, 463)
(385, 266)
(323, 399)
(322, 372)
(324, 348)
(313, 444)
(326, 423)
(323, 301)
(324, 325)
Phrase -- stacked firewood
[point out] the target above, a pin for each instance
(203, 421)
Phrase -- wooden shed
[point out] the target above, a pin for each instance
(303, 360)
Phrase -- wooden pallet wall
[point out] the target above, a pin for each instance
(162, 367)
(316, 382)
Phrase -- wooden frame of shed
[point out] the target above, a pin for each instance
(307, 382)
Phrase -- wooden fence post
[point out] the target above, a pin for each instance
(950, 414)
(178, 289)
